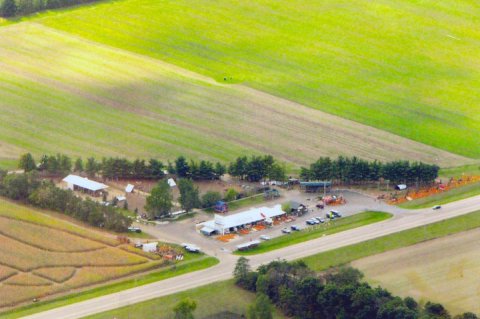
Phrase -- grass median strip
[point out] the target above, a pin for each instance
(444, 198)
(404, 238)
(194, 265)
(310, 233)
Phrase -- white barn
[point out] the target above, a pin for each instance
(222, 223)
(75, 182)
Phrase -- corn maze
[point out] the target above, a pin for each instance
(41, 256)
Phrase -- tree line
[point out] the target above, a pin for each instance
(339, 293)
(252, 169)
(123, 168)
(257, 168)
(353, 169)
(29, 188)
(11, 8)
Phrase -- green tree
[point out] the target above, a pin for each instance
(240, 273)
(181, 167)
(184, 309)
(8, 8)
(219, 170)
(189, 195)
(230, 195)
(91, 167)
(261, 309)
(27, 163)
(159, 202)
(276, 173)
(78, 167)
(210, 198)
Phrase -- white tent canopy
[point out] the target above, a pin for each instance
(74, 180)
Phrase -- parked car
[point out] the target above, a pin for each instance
(134, 229)
(294, 227)
(320, 206)
(320, 219)
(310, 222)
(336, 213)
(265, 237)
(436, 207)
(286, 230)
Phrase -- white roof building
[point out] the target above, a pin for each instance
(171, 182)
(221, 223)
(78, 181)
(129, 188)
(150, 247)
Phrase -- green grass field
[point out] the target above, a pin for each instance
(316, 231)
(405, 67)
(211, 299)
(444, 198)
(105, 89)
(405, 238)
(89, 99)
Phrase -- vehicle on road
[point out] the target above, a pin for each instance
(310, 222)
(295, 228)
(265, 237)
(134, 229)
(320, 206)
(436, 207)
(286, 230)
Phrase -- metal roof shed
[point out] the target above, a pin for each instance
(75, 182)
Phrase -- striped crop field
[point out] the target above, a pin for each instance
(407, 67)
(63, 92)
(42, 256)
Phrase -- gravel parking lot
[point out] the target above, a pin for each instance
(185, 230)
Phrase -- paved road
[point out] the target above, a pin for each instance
(224, 269)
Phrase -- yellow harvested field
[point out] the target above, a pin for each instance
(56, 274)
(42, 256)
(6, 272)
(12, 210)
(27, 279)
(443, 270)
(26, 258)
(33, 235)
(12, 295)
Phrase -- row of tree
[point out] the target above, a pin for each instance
(339, 293)
(44, 194)
(257, 168)
(10, 8)
(353, 169)
(253, 169)
(123, 168)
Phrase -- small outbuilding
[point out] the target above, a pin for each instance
(297, 208)
(171, 182)
(129, 188)
(75, 182)
(313, 187)
(150, 247)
